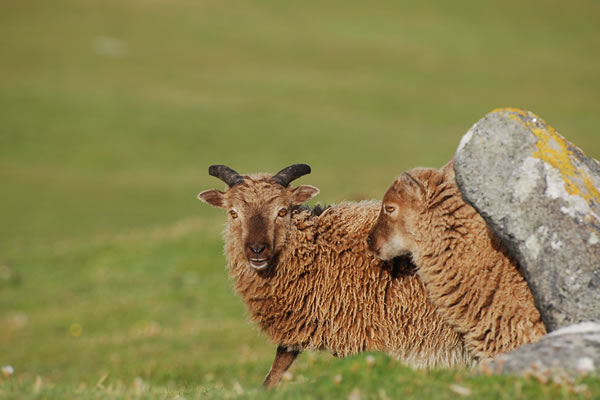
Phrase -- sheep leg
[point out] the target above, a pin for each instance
(283, 359)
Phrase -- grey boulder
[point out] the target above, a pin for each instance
(541, 195)
(572, 351)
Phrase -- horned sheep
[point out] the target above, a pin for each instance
(310, 283)
(467, 272)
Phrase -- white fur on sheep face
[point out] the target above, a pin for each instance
(395, 245)
(259, 215)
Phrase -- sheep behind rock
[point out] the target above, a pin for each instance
(466, 270)
(540, 193)
(309, 282)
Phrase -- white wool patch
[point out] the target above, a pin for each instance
(395, 246)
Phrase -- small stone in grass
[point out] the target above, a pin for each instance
(580, 388)
(209, 377)
(37, 386)
(460, 390)
(8, 371)
(287, 376)
(238, 389)
(139, 386)
(337, 379)
(370, 360)
(354, 394)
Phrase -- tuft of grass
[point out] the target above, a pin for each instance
(352, 379)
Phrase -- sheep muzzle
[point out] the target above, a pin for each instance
(258, 248)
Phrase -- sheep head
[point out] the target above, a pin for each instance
(259, 209)
(404, 206)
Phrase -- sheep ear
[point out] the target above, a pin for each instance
(213, 197)
(304, 193)
(411, 185)
(448, 170)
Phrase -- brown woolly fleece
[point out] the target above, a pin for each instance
(309, 281)
(467, 272)
(327, 292)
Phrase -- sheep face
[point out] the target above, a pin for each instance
(259, 215)
(404, 205)
(393, 233)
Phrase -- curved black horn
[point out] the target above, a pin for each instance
(286, 175)
(226, 174)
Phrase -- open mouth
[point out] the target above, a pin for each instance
(259, 263)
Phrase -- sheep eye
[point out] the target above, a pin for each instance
(233, 214)
(283, 212)
(390, 209)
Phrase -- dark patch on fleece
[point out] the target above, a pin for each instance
(316, 210)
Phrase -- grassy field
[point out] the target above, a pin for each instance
(112, 278)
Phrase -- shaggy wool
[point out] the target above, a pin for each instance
(327, 292)
(469, 276)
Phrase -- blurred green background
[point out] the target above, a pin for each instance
(112, 111)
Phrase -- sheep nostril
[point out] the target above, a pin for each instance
(257, 249)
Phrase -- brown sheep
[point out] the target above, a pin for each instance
(309, 281)
(467, 272)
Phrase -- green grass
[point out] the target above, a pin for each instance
(112, 277)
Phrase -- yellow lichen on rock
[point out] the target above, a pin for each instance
(554, 150)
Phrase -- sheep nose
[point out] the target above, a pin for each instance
(257, 248)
